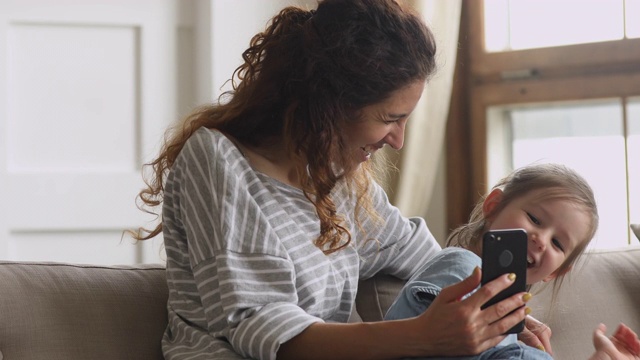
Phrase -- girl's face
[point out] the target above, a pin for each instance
(554, 227)
(383, 123)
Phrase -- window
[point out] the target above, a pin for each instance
(539, 85)
(588, 136)
(509, 23)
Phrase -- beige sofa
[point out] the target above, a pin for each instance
(65, 311)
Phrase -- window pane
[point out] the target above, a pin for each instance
(588, 137)
(526, 24)
(633, 154)
(632, 10)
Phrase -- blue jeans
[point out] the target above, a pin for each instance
(508, 352)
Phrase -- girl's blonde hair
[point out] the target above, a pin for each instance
(558, 181)
(303, 79)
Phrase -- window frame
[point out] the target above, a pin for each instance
(563, 73)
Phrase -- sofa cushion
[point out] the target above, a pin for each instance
(63, 311)
(375, 296)
(604, 287)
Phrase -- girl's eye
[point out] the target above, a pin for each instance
(557, 244)
(388, 122)
(533, 219)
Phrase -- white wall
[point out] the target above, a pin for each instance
(234, 23)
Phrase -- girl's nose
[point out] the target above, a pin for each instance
(539, 242)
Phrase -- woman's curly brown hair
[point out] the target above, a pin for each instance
(303, 78)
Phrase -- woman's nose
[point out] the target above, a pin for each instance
(395, 138)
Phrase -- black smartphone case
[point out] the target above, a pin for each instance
(505, 251)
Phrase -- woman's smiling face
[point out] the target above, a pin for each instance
(383, 123)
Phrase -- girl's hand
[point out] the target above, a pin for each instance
(536, 334)
(452, 327)
(623, 345)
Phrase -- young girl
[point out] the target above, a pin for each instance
(555, 206)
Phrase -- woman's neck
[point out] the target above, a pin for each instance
(274, 160)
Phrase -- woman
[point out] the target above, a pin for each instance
(270, 214)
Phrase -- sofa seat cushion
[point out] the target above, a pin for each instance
(375, 296)
(64, 311)
(604, 287)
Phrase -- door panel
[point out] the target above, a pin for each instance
(87, 90)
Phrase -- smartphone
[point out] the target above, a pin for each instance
(505, 251)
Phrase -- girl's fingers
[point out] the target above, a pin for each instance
(629, 338)
(536, 334)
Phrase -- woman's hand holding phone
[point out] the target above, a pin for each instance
(462, 326)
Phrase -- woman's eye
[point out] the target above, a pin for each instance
(533, 219)
(557, 244)
(395, 119)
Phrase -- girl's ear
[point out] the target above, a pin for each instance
(491, 201)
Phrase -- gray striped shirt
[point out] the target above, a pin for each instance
(243, 273)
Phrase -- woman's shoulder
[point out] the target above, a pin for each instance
(212, 143)
(210, 136)
(209, 151)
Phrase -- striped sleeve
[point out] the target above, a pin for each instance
(401, 245)
(258, 302)
(229, 251)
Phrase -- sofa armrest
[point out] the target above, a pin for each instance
(64, 311)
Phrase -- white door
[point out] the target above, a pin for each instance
(87, 89)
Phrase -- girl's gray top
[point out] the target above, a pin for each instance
(243, 272)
